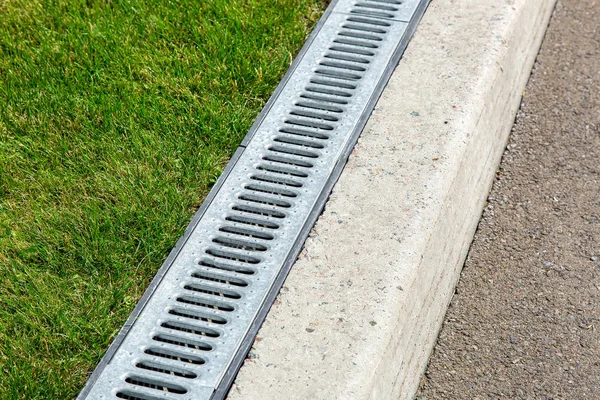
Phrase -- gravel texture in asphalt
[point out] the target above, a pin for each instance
(525, 320)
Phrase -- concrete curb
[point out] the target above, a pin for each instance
(360, 311)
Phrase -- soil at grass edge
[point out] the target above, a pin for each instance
(525, 320)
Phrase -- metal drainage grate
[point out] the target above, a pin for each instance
(188, 336)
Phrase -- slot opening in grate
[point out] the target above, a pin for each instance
(155, 384)
(335, 74)
(373, 14)
(397, 2)
(352, 50)
(241, 269)
(252, 222)
(219, 278)
(174, 355)
(357, 43)
(211, 319)
(361, 28)
(325, 82)
(264, 200)
(233, 256)
(361, 36)
(377, 6)
(180, 341)
(368, 21)
(164, 369)
(332, 92)
(321, 106)
(305, 133)
(246, 232)
(323, 99)
(188, 328)
(239, 244)
(309, 124)
(277, 180)
(202, 302)
(274, 190)
(256, 211)
(282, 170)
(298, 142)
(314, 115)
(339, 65)
(212, 291)
(130, 395)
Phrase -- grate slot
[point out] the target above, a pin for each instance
(308, 124)
(164, 369)
(265, 200)
(183, 342)
(368, 21)
(233, 256)
(130, 395)
(155, 384)
(211, 319)
(298, 142)
(246, 232)
(277, 180)
(337, 74)
(339, 65)
(286, 161)
(361, 36)
(341, 85)
(377, 6)
(187, 328)
(315, 115)
(230, 294)
(226, 267)
(253, 222)
(345, 57)
(279, 191)
(357, 43)
(328, 91)
(284, 171)
(398, 2)
(374, 14)
(303, 132)
(291, 151)
(202, 302)
(219, 278)
(323, 98)
(239, 244)
(325, 107)
(174, 355)
(352, 50)
(361, 28)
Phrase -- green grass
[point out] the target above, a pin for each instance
(116, 116)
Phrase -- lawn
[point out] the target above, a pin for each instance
(116, 116)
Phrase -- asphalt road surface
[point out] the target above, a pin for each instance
(525, 320)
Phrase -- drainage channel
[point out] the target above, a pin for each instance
(190, 332)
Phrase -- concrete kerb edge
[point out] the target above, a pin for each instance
(293, 361)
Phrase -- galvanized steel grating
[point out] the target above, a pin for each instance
(192, 329)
